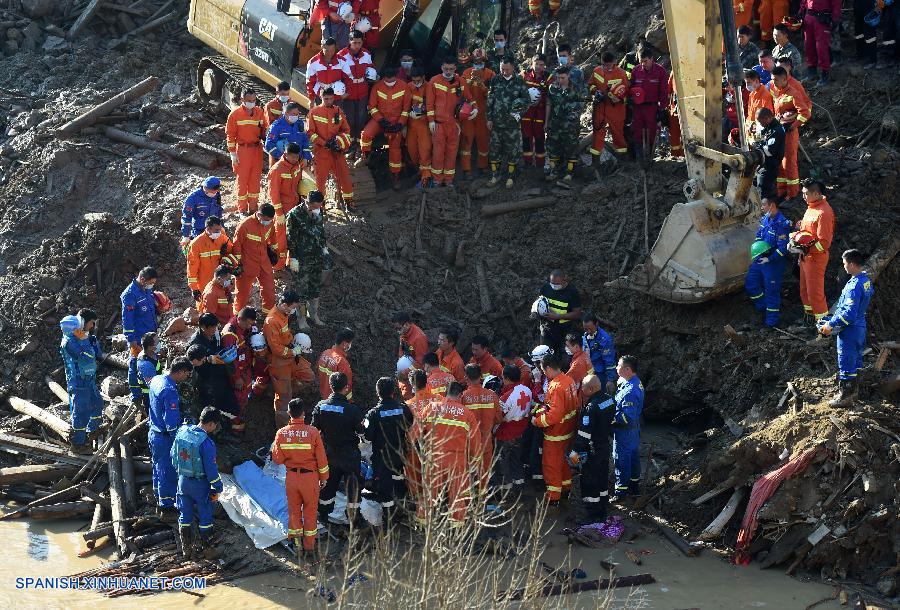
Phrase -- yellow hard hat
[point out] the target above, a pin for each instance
(306, 185)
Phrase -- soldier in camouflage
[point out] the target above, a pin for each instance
(564, 107)
(309, 256)
(189, 395)
(507, 100)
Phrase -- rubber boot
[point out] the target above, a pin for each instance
(812, 75)
(210, 553)
(510, 174)
(495, 179)
(167, 515)
(823, 79)
(186, 536)
(395, 181)
(847, 392)
(314, 312)
(302, 324)
(81, 449)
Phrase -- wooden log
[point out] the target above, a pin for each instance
(516, 206)
(883, 256)
(94, 497)
(96, 547)
(147, 27)
(19, 444)
(142, 542)
(36, 474)
(674, 537)
(713, 493)
(63, 495)
(125, 9)
(111, 441)
(714, 529)
(114, 361)
(82, 21)
(580, 587)
(88, 118)
(483, 293)
(95, 522)
(117, 500)
(59, 391)
(63, 510)
(129, 138)
(45, 418)
(128, 484)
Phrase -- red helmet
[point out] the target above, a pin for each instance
(793, 23)
(478, 55)
(464, 112)
(163, 303)
(734, 137)
(637, 94)
(803, 240)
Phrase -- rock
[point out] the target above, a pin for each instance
(113, 387)
(191, 316)
(15, 34)
(10, 47)
(656, 34)
(177, 325)
(38, 8)
(887, 585)
(32, 33)
(27, 348)
(56, 45)
(170, 90)
(119, 343)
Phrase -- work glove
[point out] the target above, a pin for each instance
(297, 350)
(279, 220)
(598, 97)
(474, 114)
(762, 260)
(325, 250)
(234, 159)
(237, 271)
(431, 126)
(516, 116)
(273, 256)
(214, 359)
(185, 242)
(197, 295)
(662, 116)
(294, 265)
(223, 250)
(213, 497)
(385, 124)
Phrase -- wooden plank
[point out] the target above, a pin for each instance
(44, 417)
(117, 500)
(57, 389)
(40, 473)
(63, 510)
(85, 16)
(129, 95)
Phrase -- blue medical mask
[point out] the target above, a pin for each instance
(478, 66)
(564, 60)
(293, 118)
(406, 65)
(499, 44)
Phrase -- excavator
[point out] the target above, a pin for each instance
(260, 43)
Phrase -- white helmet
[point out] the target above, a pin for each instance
(257, 341)
(405, 363)
(538, 353)
(540, 306)
(345, 11)
(338, 87)
(305, 343)
(535, 94)
(363, 25)
(371, 74)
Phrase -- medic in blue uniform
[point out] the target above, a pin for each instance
(763, 280)
(138, 319)
(206, 201)
(848, 322)
(599, 344)
(80, 352)
(627, 427)
(288, 129)
(165, 417)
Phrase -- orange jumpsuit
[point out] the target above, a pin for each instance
(203, 257)
(608, 114)
(324, 123)
(791, 99)
(250, 241)
(334, 360)
(437, 383)
(413, 343)
(441, 100)
(452, 438)
(418, 137)
(489, 365)
(299, 447)
(390, 103)
(217, 301)
(534, 7)
(476, 131)
(579, 368)
(485, 405)
(559, 422)
(819, 220)
(245, 131)
(452, 363)
(284, 367)
(760, 97)
(418, 404)
(273, 111)
(743, 11)
(771, 13)
(676, 148)
(284, 192)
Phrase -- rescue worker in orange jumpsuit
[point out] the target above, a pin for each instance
(771, 13)
(334, 360)
(204, 254)
(509, 357)
(444, 96)
(452, 443)
(449, 358)
(793, 111)
(475, 131)
(760, 97)
(438, 380)
(676, 148)
(418, 404)
(254, 249)
(609, 87)
(818, 220)
(416, 132)
(481, 355)
(535, 8)
(299, 447)
(485, 406)
(743, 12)
(274, 110)
(286, 362)
(245, 131)
(389, 109)
(559, 422)
(217, 297)
(237, 334)
(413, 342)
(581, 364)
(284, 192)
(533, 150)
(329, 134)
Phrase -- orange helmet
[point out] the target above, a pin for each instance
(163, 303)
(478, 55)
(793, 23)
(462, 56)
(637, 94)
(464, 111)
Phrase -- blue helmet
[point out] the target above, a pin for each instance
(69, 324)
(212, 183)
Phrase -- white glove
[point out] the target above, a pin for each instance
(516, 116)
(762, 260)
(297, 350)
(794, 249)
(536, 374)
(474, 114)
(431, 126)
(294, 264)
(234, 158)
(325, 250)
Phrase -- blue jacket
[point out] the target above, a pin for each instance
(196, 209)
(851, 307)
(603, 354)
(147, 369)
(194, 456)
(764, 75)
(80, 357)
(629, 403)
(281, 133)
(165, 405)
(775, 232)
(138, 312)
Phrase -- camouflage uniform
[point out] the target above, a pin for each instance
(189, 397)
(506, 97)
(493, 58)
(563, 127)
(305, 241)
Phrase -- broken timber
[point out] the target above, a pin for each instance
(516, 206)
(36, 474)
(89, 118)
(579, 587)
(44, 417)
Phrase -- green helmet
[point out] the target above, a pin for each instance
(759, 248)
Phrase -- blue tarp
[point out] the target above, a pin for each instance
(265, 491)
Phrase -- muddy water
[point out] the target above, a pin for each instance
(42, 550)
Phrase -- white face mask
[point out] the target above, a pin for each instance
(249, 105)
(406, 65)
(348, 347)
(265, 223)
(478, 66)
(226, 283)
(508, 77)
(569, 351)
(448, 75)
(591, 335)
(556, 286)
(215, 235)
(390, 83)
(317, 212)
(284, 99)
(293, 118)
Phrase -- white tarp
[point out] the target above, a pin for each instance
(263, 529)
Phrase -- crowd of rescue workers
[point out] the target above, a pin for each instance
(443, 431)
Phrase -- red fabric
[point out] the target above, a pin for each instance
(762, 491)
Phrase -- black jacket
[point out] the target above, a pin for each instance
(771, 143)
(339, 421)
(387, 425)
(595, 426)
(212, 379)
